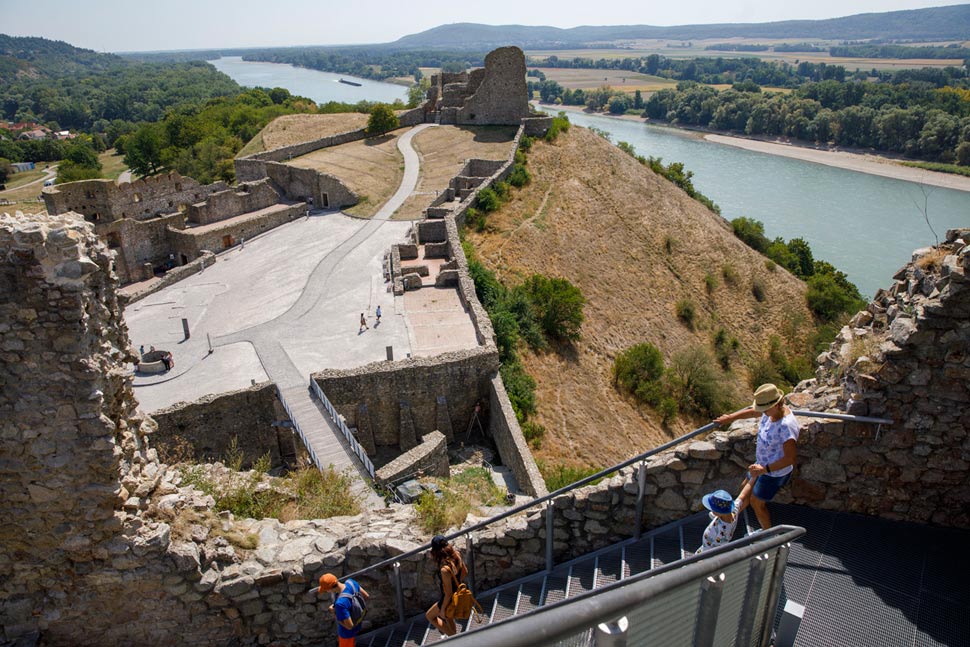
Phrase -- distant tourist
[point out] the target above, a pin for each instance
(348, 609)
(451, 571)
(776, 451)
(363, 324)
(725, 512)
(378, 314)
(141, 349)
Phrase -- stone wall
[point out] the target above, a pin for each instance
(206, 259)
(205, 429)
(244, 198)
(493, 95)
(512, 446)
(191, 243)
(400, 401)
(430, 458)
(104, 200)
(326, 190)
(140, 243)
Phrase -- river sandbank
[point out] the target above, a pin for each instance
(859, 162)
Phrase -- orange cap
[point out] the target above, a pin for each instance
(327, 582)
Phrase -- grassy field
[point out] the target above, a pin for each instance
(20, 179)
(619, 79)
(696, 48)
(112, 164)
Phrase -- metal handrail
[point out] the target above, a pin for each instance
(560, 620)
(344, 429)
(640, 458)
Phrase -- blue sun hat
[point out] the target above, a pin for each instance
(719, 502)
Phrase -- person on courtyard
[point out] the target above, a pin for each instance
(378, 313)
(363, 324)
(450, 571)
(341, 608)
(725, 513)
(777, 447)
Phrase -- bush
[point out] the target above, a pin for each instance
(695, 382)
(461, 493)
(758, 290)
(639, 371)
(751, 232)
(560, 124)
(667, 409)
(730, 274)
(710, 283)
(488, 200)
(382, 119)
(526, 142)
(686, 312)
(724, 347)
(827, 299)
(533, 432)
(559, 475)
(558, 306)
(521, 388)
(475, 219)
(519, 176)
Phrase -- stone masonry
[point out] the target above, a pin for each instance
(493, 95)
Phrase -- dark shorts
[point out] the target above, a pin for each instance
(766, 487)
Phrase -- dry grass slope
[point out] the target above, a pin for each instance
(595, 216)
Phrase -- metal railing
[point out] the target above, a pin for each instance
(726, 596)
(344, 429)
(296, 425)
(547, 500)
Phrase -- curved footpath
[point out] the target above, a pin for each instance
(319, 322)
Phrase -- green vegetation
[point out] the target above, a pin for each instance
(460, 494)
(686, 312)
(674, 172)
(382, 119)
(830, 293)
(305, 493)
(963, 169)
(919, 113)
(80, 162)
(692, 383)
(560, 124)
(559, 475)
(201, 140)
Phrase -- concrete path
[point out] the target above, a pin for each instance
(312, 278)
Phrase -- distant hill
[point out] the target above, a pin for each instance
(938, 23)
(38, 57)
(635, 245)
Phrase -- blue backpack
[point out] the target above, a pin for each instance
(358, 606)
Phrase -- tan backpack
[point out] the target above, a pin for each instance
(462, 601)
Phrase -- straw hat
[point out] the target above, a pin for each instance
(767, 396)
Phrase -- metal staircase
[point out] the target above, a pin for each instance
(614, 565)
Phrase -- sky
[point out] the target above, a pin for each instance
(137, 25)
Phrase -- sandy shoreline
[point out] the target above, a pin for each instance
(860, 162)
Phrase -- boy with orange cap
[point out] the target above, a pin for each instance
(346, 629)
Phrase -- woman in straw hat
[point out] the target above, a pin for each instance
(776, 450)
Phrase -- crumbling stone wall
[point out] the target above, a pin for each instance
(326, 190)
(405, 399)
(189, 244)
(244, 198)
(104, 200)
(493, 95)
(430, 458)
(204, 430)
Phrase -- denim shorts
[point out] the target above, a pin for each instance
(766, 487)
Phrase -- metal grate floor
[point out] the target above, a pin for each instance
(870, 582)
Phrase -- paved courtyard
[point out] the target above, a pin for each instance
(288, 304)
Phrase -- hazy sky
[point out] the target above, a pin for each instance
(140, 25)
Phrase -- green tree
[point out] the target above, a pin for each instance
(558, 305)
(417, 92)
(143, 150)
(6, 169)
(637, 100)
(382, 119)
(639, 370)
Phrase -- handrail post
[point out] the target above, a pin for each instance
(470, 550)
(398, 591)
(550, 522)
(774, 590)
(707, 611)
(752, 593)
(641, 491)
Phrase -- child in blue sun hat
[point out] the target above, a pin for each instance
(725, 512)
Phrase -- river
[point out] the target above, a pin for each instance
(865, 225)
(313, 84)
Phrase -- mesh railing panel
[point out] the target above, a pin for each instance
(668, 619)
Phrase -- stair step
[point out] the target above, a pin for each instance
(666, 548)
(638, 557)
(416, 633)
(556, 585)
(488, 603)
(531, 596)
(505, 605)
(397, 636)
(609, 567)
(583, 579)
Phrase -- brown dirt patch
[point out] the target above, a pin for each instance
(589, 79)
(443, 150)
(372, 168)
(597, 217)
